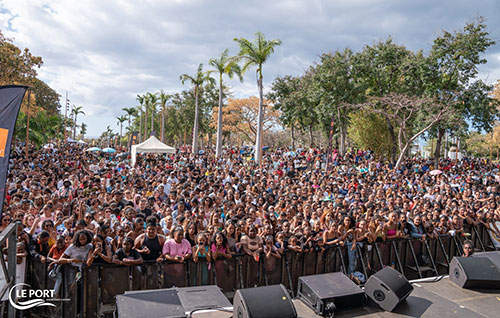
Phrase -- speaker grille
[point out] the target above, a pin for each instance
(378, 295)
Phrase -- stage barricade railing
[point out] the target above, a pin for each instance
(94, 294)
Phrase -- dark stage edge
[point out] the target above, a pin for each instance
(441, 299)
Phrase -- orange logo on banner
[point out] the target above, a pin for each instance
(3, 141)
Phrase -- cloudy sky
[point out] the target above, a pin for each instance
(105, 52)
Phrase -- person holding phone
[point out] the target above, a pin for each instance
(101, 254)
(201, 250)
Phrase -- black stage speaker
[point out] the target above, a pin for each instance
(263, 302)
(388, 288)
(160, 303)
(493, 256)
(325, 293)
(474, 272)
(202, 297)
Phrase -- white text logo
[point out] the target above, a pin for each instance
(40, 295)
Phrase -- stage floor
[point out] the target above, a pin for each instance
(441, 299)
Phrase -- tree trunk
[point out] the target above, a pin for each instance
(394, 148)
(401, 156)
(258, 139)
(74, 129)
(293, 136)
(218, 149)
(163, 125)
(311, 139)
(146, 124)
(152, 119)
(446, 145)
(194, 147)
(342, 133)
(140, 127)
(437, 151)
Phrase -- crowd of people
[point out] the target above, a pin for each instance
(81, 208)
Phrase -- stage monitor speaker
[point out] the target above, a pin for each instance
(325, 293)
(202, 297)
(263, 302)
(474, 272)
(388, 288)
(493, 256)
(160, 303)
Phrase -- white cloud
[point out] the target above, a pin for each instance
(106, 52)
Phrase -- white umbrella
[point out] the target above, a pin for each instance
(94, 149)
(81, 142)
(435, 172)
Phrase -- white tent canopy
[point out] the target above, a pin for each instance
(150, 145)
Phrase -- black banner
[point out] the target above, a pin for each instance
(11, 97)
(134, 139)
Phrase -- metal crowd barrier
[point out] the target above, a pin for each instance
(94, 294)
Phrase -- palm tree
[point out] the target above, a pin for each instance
(163, 103)
(120, 122)
(152, 101)
(140, 99)
(75, 111)
(257, 53)
(224, 64)
(131, 111)
(83, 130)
(197, 80)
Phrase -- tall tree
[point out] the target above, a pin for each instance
(164, 97)
(120, 122)
(197, 81)
(256, 53)
(451, 78)
(46, 97)
(83, 130)
(224, 64)
(130, 112)
(382, 69)
(152, 102)
(140, 99)
(281, 95)
(18, 66)
(339, 88)
(77, 110)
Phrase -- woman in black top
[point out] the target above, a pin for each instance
(127, 255)
(101, 253)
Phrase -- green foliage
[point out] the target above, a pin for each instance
(46, 97)
(282, 95)
(43, 127)
(452, 69)
(369, 131)
(477, 145)
(17, 66)
(256, 53)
